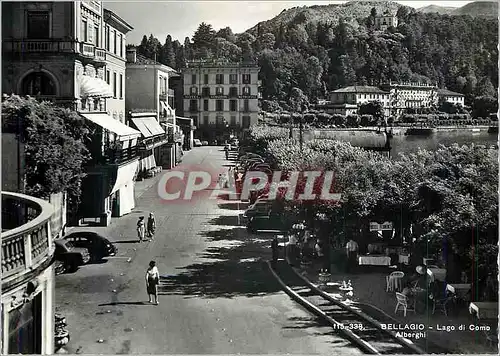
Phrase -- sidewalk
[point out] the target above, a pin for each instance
(371, 297)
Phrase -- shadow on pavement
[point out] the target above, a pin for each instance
(239, 269)
(227, 221)
(124, 303)
(233, 206)
(126, 242)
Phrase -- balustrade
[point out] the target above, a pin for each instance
(26, 241)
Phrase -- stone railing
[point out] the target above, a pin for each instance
(26, 236)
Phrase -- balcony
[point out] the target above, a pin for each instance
(24, 46)
(119, 156)
(26, 238)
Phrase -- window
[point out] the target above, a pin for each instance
(84, 30)
(38, 24)
(194, 91)
(205, 91)
(233, 79)
(112, 40)
(205, 105)
(205, 120)
(38, 83)
(114, 85)
(233, 120)
(193, 78)
(90, 31)
(107, 38)
(219, 79)
(246, 90)
(233, 92)
(246, 78)
(246, 122)
(107, 77)
(219, 91)
(121, 86)
(219, 120)
(115, 39)
(219, 105)
(205, 79)
(246, 106)
(121, 45)
(193, 105)
(25, 331)
(96, 35)
(233, 105)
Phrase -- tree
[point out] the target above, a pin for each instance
(373, 108)
(204, 37)
(227, 34)
(188, 49)
(298, 101)
(168, 53)
(483, 106)
(54, 141)
(485, 88)
(227, 50)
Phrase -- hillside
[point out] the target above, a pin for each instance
(479, 9)
(442, 10)
(325, 14)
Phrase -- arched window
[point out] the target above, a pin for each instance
(38, 83)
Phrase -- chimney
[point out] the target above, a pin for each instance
(131, 55)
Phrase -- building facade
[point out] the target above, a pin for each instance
(445, 95)
(386, 20)
(28, 286)
(407, 95)
(346, 101)
(220, 97)
(150, 100)
(62, 52)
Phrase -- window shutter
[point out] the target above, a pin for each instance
(90, 31)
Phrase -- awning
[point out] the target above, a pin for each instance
(147, 163)
(167, 108)
(123, 131)
(125, 175)
(94, 87)
(148, 126)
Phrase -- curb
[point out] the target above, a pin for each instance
(318, 312)
(368, 318)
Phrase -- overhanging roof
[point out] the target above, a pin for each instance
(123, 131)
(148, 126)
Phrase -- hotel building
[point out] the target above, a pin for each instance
(220, 97)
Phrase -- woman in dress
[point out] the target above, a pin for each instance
(152, 281)
(141, 229)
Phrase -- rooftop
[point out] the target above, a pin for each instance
(219, 63)
(448, 92)
(117, 21)
(360, 89)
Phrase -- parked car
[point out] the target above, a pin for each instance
(59, 267)
(72, 256)
(266, 222)
(262, 207)
(97, 245)
(204, 143)
(197, 143)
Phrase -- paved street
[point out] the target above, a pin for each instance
(216, 296)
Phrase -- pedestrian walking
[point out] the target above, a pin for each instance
(141, 229)
(274, 247)
(352, 254)
(319, 252)
(226, 150)
(151, 226)
(152, 281)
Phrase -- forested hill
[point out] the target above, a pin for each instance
(325, 14)
(318, 50)
(478, 9)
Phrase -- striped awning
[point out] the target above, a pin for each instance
(148, 126)
(167, 108)
(147, 163)
(94, 87)
(123, 131)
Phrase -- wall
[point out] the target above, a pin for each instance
(116, 106)
(14, 18)
(139, 87)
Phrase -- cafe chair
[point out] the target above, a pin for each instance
(442, 304)
(402, 303)
(393, 285)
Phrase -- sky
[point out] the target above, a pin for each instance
(181, 18)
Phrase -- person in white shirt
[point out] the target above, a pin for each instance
(152, 281)
(352, 253)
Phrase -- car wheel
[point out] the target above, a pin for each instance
(72, 266)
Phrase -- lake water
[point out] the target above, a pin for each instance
(408, 144)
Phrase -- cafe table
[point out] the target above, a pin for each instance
(404, 259)
(437, 273)
(374, 260)
(484, 310)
